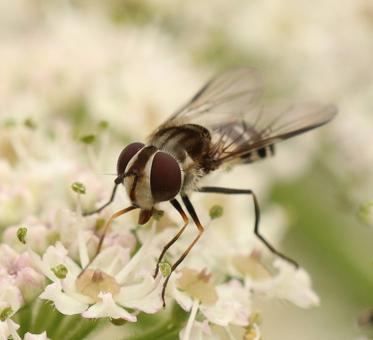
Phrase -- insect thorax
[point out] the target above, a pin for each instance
(190, 144)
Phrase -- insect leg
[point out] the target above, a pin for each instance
(106, 228)
(116, 183)
(178, 207)
(200, 228)
(228, 191)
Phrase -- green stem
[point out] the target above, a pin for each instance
(84, 328)
(25, 319)
(44, 312)
(169, 329)
(67, 326)
(54, 323)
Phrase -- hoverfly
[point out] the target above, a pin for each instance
(224, 122)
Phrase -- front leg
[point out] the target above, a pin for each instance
(185, 218)
(200, 228)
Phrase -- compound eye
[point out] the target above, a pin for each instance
(165, 177)
(125, 156)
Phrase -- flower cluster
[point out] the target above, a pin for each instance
(50, 256)
(63, 122)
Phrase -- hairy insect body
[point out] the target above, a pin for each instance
(190, 144)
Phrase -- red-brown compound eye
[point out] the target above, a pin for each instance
(165, 177)
(125, 156)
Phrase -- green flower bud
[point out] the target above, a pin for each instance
(216, 211)
(165, 268)
(78, 187)
(6, 313)
(21, 234)
(88, 139)
(60, 271)
(365, 213)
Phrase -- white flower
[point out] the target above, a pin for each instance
(290, 284)
(21, 272)
(42, 336)
(232, 307)
(112, 283)
(38, 235)
(223, 305)
(9, 328)
(10, 295)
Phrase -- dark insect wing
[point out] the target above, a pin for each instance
(229, 107)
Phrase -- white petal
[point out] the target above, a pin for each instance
(8, 256)
(111, 260)
(63, 302)
(10, 294)
(183, 299)
(4, 331)
(53, 256)
(291, 284)
(82, 246)
(145, 296)
(12, 326)
(30, 336)
(188, 328)
(232, 307)
(200, 331)
(108, 308)
(7, 328)
(43, 267)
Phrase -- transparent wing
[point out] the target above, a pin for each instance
(229, 107)
(264, 127)
(228, 94)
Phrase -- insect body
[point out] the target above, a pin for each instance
(223, 123)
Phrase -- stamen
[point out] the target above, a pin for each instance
(121, 276)
(192, 317)
(83, 251)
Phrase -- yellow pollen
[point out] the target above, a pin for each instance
(92, 282)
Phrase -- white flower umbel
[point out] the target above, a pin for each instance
(290, 284)
(222, 305)
(111, 283)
